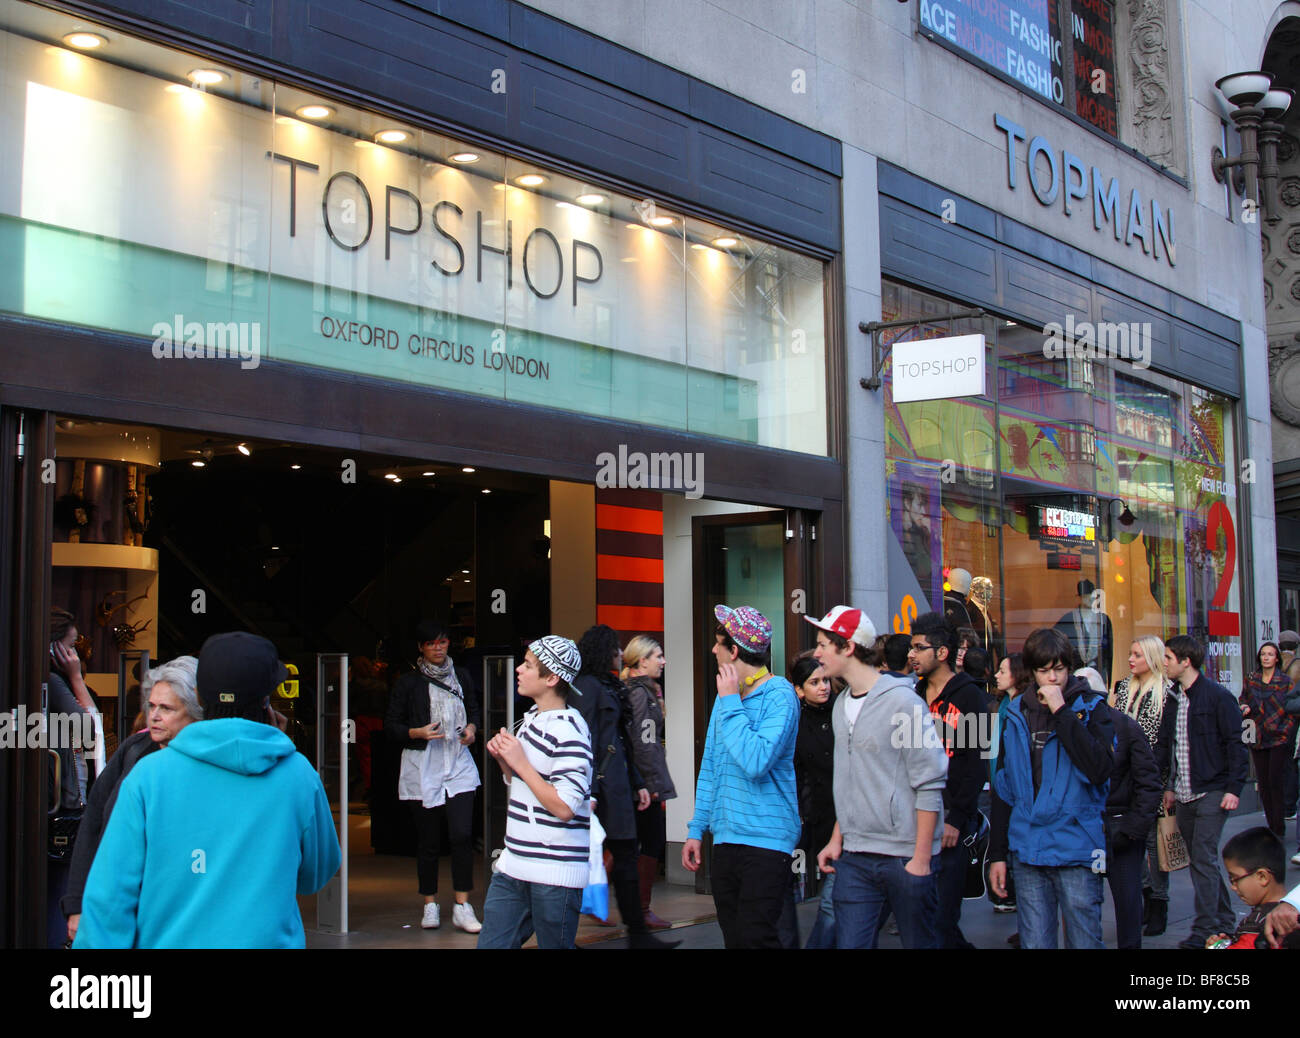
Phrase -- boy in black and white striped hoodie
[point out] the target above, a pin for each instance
(539, 877)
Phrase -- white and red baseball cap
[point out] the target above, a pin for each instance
(849, 623)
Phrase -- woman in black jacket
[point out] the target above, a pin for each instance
(616, 784)
(643, 665)
(172, 702)
(1135, 791)
(433, 714)
(814, 770)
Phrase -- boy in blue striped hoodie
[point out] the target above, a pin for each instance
(746, 793)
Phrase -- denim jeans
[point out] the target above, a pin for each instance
(823, 931)
(515, 910)
(1046, 895)
(869, 885)
(1201, 823)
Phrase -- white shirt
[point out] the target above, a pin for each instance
(444, 768)
(853, 707)
(1293, 898)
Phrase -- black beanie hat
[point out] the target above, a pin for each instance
(238, 670)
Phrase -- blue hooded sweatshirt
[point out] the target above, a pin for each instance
(209, 843)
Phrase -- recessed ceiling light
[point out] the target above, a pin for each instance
(315, 111)
(295, 467)
(486, 490)
(391, 136)
(726, 242)
(468, 468)
(275, 547)
(661, 221)
(198, 463)
(464, 157)
(396, 480)
(84, 40)
(464, 571)
(427, 473)
(590, 199)
(530, 180)
(390, 475)
(207, 76)
(243, 449)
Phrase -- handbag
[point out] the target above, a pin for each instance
(976, 849)
(63, 834)
(1170, 845)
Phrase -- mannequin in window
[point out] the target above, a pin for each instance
(977, 605)
(1089, 630)
(954, 599)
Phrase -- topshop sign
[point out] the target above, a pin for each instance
(938, 369)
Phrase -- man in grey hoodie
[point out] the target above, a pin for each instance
(890, 770)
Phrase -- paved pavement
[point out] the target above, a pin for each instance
(986, 929)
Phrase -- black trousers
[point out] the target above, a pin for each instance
(751, 889)
(1124, 874)
(652, 830)
(624, 878)
(459, 812)
(1269, 769)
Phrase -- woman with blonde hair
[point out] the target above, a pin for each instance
(643, 666)
(1143, 695)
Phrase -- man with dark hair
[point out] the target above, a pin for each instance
(896, 647)
(211, 840)
(1050, 786)
(1089, 630)
(746, 793)
(957, 704)
(1200, 748)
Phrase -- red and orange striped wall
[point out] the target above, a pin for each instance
(630, 562)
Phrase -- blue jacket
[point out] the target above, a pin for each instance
(209, 844)
(1062, 823)
(746, 792)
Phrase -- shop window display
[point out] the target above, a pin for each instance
(1092, 496)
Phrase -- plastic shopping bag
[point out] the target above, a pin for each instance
(595, 896)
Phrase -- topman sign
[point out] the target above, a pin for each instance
(1060, 177)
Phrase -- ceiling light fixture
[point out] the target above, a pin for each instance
(391, 136)
(198, 463)
(464, 157)
(315, 111)
(207, 76)
(661, 221)
(468, 468)
(85, 40)
(590, 199)
(530, 180)
(243, 449)
(295, 467)
(726, 242)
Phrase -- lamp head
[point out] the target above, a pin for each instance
(1245, 88)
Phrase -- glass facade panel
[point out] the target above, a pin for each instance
(249, 219)
(1068, 471)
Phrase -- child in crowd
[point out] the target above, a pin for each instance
(540, 875)
(1256, 864)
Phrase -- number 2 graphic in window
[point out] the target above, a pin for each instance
(1222, 624)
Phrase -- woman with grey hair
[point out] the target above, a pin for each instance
(172, 702)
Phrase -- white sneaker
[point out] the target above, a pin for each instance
(1295, 858)
(462, 917)
(432, 917)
